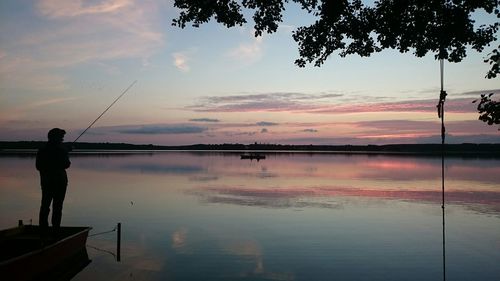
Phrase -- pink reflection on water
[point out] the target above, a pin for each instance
(486, 201)
(211, 166)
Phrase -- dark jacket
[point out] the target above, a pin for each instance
(52, 162)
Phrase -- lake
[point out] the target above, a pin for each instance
(293, 216)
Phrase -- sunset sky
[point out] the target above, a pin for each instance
(63, 62)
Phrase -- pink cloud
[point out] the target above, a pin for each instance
(57, 8)
(77, 32)
(18, 112)
(304, 103)
(461, 105)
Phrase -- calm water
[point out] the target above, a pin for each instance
(212, 216)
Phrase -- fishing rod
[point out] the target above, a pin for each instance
(91, 124)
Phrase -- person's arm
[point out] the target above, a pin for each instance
(67, 163)
(38, 162)
(65, 159)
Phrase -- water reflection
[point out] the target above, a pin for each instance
(251, 251)
(162, 168)
(336, 167)
(200, 216)
(331, 197)
(179, 240)
(315, 180)
(204, 178)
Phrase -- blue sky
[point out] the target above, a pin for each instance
(63, 62)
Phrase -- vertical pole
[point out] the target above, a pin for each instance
(20, 223)
(118, 241)
(442, 196)
(442, 98)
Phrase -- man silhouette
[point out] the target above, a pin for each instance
(52, 161)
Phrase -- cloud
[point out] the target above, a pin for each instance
(466, 129)
(264, 123)
(270, 97)
(324, 104)
(13, 114)
(461, 105)
(398, 125)
(326, 96)
(204, 120)
(238, 133)
(275, 101)
(263, 131)
(161, 129)
(477, 94)
(248, 52)
(386, 132)
(181, 61)
(61, 9)
(455, 105)
(20, 73)
(71, 33)
(101, 31)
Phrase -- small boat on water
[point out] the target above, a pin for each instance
(253, 156)
(28, 254)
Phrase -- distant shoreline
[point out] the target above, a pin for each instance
(458, 150)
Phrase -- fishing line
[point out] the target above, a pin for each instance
(123, 93)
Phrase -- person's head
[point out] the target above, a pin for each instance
(56, 135)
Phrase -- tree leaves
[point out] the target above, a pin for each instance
(489, 110)
(227, 12)
(494, 61)
(346, 27)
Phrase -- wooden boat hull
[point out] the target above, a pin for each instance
(29, 254)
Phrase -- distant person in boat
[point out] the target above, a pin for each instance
(52, 161)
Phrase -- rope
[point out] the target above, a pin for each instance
(116, 256)
(440, 108)
(114, 229)
(441, 72)
(102, 250)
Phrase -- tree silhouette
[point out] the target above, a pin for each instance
(489, 109)
(494, 60)
(442, 27)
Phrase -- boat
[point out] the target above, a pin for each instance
(253, 156)
(29, 254)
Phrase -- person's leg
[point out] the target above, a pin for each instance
(57, 205)
(43, 219)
